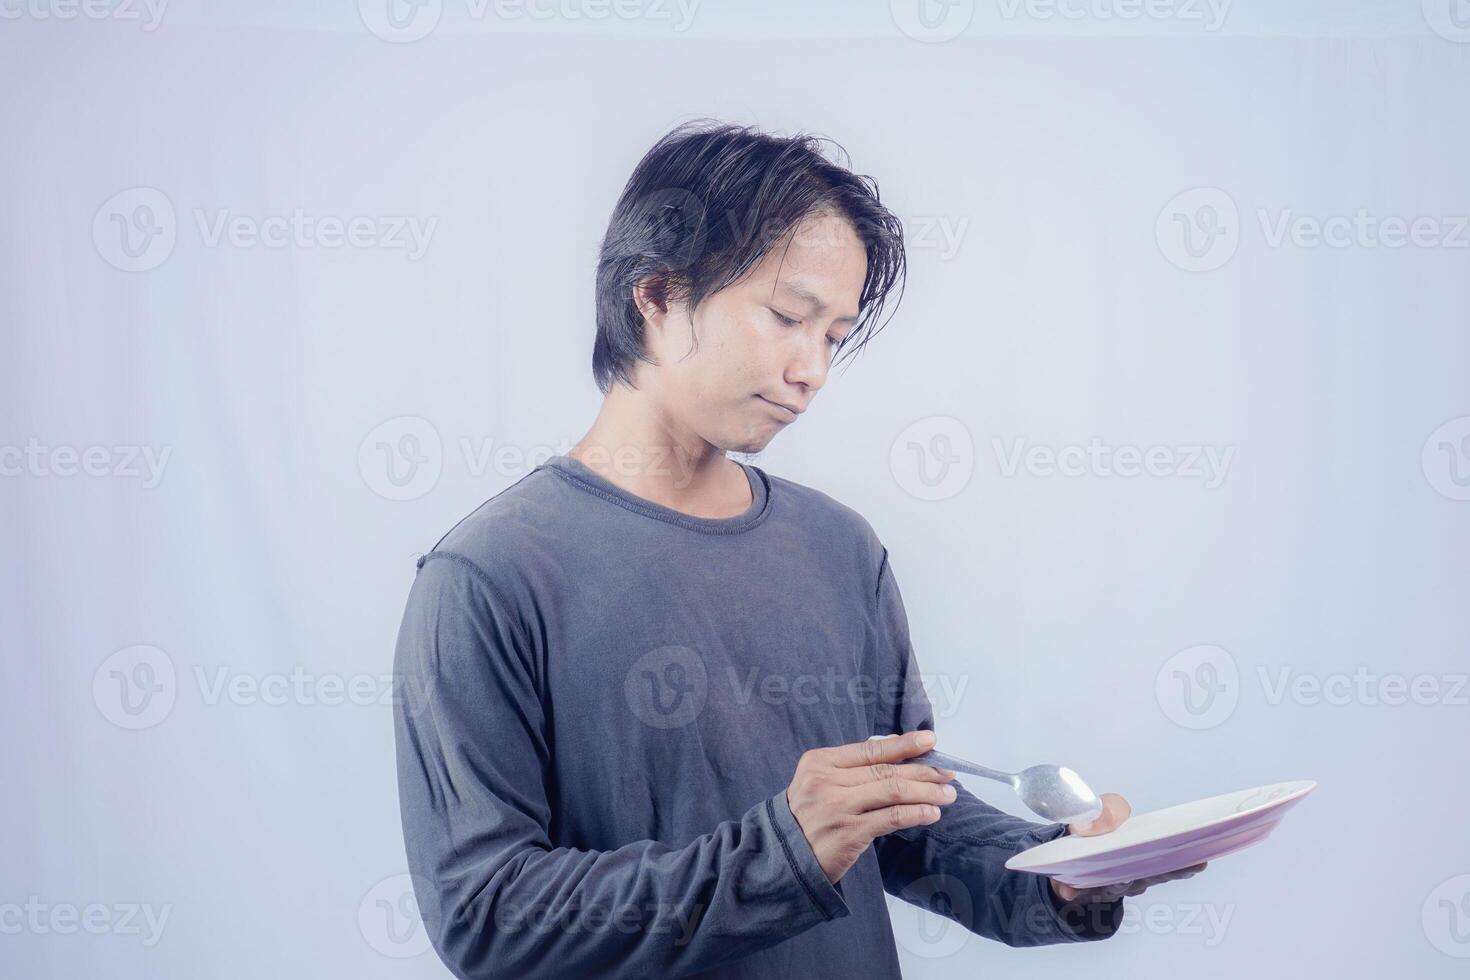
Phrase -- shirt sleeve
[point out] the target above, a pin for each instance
(498, 897)
(961, 858)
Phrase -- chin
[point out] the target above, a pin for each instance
(749, 444)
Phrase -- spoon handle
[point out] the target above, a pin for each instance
(945, 761)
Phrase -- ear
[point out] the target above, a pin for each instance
(649, 295)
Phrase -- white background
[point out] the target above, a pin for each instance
(260, 571)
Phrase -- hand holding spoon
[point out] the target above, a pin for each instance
(1053, 793)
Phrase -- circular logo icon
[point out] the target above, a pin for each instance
(934, 458)
(1450, 19)
(400, 21)
(932, 21)
(1198, 687)
(1446, 917)
(1199, 230)
(402, 458)
(1446, 459)
(676, 223)
(135, 230)
(934, 917)
(136, 687)
(389, 916)
(666, 688)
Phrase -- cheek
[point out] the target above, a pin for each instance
(729, 356)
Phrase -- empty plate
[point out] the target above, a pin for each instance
(1165, 840)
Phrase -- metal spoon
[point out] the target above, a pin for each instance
(1054, 793)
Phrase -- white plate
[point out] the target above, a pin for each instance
(1165, 840)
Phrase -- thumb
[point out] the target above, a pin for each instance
(1115, 811)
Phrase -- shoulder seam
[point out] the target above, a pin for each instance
(503, 612)
(878, 586)
(482, 504)
(475, 570)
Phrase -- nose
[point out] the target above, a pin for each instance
(809, 363)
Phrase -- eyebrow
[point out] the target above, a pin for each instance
(810, 298)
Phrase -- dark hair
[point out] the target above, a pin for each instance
(705, 205)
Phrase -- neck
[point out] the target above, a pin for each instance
(637, 445)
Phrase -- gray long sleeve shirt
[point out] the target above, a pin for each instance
(603, 701)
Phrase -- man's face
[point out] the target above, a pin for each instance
(748, 358)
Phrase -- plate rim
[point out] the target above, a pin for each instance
(1306, 786)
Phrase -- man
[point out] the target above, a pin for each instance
(647, 673)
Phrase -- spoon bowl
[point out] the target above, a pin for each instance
(1053, 793)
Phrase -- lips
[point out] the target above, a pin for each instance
(787, 412)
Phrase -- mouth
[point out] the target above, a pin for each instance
(786, 413)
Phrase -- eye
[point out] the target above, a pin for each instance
(784, 319)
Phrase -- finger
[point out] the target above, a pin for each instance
(876, 823)
(1115, 811)
(1106, 894)
(885, 770)
(874, 751)
(892, 792)
(1139, 885)
(1175, 875)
